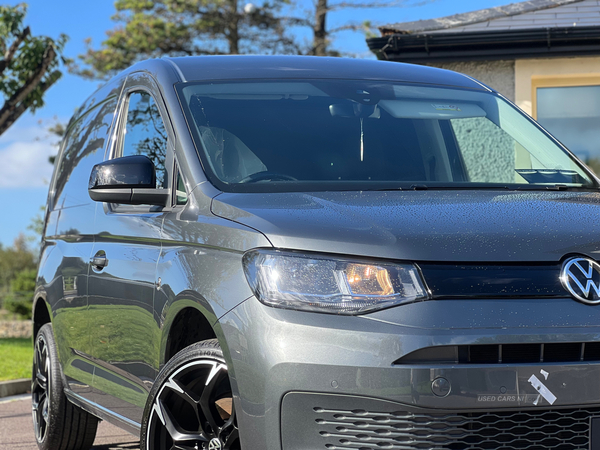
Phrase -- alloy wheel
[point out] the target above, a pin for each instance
(194, 410)
(40, 388)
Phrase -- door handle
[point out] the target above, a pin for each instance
(99, 261)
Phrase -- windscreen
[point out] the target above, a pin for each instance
(312, 135)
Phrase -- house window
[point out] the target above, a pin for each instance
(569, 108)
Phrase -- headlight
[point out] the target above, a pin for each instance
(330, 284)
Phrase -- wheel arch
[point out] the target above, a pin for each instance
(41, 312)
(188, 320)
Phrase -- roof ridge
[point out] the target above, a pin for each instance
(472, 17)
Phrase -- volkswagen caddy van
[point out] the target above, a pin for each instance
(296, 253)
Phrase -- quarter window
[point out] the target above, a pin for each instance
(145, 133)
(180, 192)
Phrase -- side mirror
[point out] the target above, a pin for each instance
(130, 180)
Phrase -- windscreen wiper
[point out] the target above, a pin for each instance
(475, 187)
(440, 187)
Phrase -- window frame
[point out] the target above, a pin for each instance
(142, 82)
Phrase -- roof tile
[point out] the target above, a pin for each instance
(527, 14)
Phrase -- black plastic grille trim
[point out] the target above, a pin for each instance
(504, 354)
(534, 280)
(564, 429)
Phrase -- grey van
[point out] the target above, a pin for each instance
(295, 253)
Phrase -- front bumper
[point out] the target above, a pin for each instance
(359, 423)
(306, 381)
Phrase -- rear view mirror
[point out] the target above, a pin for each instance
(347, 109)
(130, 180)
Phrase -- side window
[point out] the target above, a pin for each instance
(145, 133)
(83, 148)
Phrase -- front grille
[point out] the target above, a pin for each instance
(503, 280)
(504, 354)
(565, 429)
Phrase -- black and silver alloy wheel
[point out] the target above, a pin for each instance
(40, 388)
(192, 406)
(57, 423)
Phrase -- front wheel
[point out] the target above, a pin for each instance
(191, 406)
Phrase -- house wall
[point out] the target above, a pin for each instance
(528, 71)
(499, 75)
(489, 146)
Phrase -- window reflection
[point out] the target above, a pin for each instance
(572, 115)
(145, 133)
(83, 148)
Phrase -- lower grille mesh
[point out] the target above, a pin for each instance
(565, 429)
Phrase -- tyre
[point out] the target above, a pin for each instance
(191, 405)
(57, 423)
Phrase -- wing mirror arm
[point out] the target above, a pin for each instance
(129, 180)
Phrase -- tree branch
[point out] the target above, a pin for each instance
(10, 53)
(351, 26)
(11, 105)
(296, 21)
(22, 107)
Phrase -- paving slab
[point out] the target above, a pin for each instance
(16, 429)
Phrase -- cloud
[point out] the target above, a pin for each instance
(24, 152)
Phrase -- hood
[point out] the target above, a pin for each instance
(452, 226)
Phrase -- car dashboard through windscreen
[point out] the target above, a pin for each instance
(300, 138)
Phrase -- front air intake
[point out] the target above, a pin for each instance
(504, 354)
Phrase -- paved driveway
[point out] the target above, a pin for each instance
(16, 429)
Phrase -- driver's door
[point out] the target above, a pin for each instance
(122, 277)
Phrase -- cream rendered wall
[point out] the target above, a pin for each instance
(483, 146)
(499, 75)
(526, 70)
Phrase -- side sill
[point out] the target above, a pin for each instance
(105, 414)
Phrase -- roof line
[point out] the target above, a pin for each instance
(472, 17)
(478, 82)
(176, 67)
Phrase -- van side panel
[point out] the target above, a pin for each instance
(68, 239)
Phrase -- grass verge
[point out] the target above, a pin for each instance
(16, 356)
